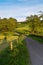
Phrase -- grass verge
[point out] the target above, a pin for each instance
(18, 56)
(37, 38)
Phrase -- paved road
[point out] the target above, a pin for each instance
(36, 51)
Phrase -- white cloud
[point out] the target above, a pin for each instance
(20, 12)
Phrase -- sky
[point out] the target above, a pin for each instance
(20, 9)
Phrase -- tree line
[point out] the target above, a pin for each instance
(7, 24)
(34, 22)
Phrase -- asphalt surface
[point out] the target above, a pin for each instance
(36, 51)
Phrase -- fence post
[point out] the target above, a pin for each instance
(11, 45)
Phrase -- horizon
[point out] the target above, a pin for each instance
(20, 9)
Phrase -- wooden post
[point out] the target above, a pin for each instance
(11, 46)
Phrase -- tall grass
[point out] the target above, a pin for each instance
(18, 56)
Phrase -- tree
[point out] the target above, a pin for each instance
(13, 23)
(33, 21)
(8, 24)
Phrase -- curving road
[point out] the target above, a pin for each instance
(36, 51)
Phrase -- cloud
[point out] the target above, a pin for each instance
(19, 12)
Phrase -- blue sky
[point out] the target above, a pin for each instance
(20, 9)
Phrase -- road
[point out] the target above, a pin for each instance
(36, 51)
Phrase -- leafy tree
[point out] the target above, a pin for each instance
(33, 21)
(13, 23)
(8, 24)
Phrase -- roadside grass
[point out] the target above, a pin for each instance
(37, 38)
(18, 56)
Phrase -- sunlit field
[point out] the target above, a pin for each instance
(2, 37)
(10, 38)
